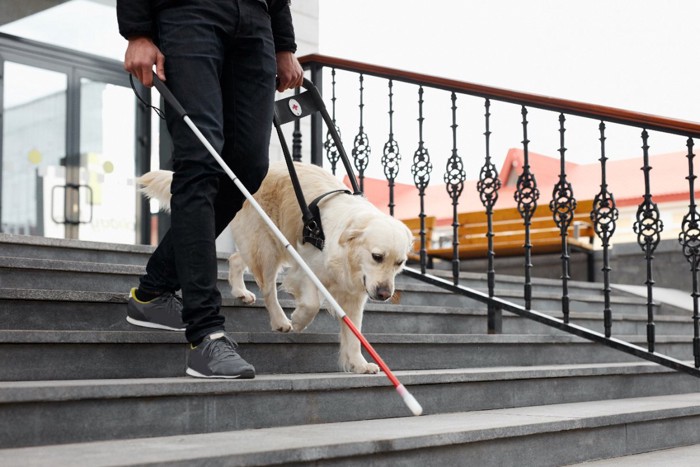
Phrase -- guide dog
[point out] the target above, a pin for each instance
(364, 251)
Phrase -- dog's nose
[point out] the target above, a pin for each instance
(383, 293)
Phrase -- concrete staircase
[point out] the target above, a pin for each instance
(79, 385)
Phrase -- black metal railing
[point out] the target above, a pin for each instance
(604, 214)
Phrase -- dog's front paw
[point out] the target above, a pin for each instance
(360, 366)
(246, 296)
(281, 325)
(370, 368)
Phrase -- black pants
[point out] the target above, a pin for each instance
(220, 64)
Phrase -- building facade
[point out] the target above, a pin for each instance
(73, 138)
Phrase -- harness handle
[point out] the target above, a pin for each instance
(294, 108)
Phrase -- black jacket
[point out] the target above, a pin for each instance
(135, 18)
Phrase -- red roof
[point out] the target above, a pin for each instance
(625, 181)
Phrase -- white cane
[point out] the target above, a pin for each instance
(408, 399)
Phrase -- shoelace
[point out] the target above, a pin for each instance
(171, 298)
(221, 347)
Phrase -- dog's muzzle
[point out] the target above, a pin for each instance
(383, 293)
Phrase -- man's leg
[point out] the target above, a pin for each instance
(190, 39)
(248, 87)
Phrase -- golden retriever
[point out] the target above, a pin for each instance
(364, 251)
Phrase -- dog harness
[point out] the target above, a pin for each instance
(292, 109)
(313, 229)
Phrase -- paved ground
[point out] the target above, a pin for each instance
(688, 456)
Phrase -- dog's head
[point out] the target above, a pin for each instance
(377, 248)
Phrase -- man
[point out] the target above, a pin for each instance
(220, 58)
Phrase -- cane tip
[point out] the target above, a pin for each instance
(410, 401)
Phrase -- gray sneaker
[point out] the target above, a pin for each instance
(164, 312)
(216, 357)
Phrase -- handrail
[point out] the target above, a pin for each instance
(600, 112)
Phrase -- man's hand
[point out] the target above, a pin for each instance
(141, 54)
(290, 74)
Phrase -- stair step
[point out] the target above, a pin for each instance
(27, 254)
(120, 278)
(541, 435)
(40, 309)
(24, 246)
(41, 355)
(41, 412)
(31, 247)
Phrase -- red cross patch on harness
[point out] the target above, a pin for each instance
(295, 107)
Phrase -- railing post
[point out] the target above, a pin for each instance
(332, 151)
(604, 216)
(648, 228)
(361, 150)
(391, 157)
(488, 185)
(316, 120)
(421, 170)
(454, 178)
(494, 319)
(526, 196)
(563, 206)
(689, 238)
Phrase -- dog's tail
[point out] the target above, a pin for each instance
(156, 185)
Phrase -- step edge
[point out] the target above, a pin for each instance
(358, 438)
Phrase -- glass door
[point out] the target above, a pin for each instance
(33, 151)
(105, 195)
(73, 140)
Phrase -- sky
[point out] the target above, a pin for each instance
(631, 54)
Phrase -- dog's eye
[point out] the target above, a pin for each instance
(377, 257)
(399, 263)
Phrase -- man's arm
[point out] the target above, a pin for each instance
(282, 27)
(290, 74)
(134, 18)
(136, 25)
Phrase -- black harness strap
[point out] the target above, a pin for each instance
(313, 229)
(292, 109)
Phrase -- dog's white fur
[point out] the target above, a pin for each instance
(364, 251)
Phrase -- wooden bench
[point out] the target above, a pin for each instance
(509, 234)
(414, 225)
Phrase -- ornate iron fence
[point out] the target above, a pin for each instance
(604, 214)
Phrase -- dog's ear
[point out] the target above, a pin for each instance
(353, 229)
(411, 239)
(349, 235)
